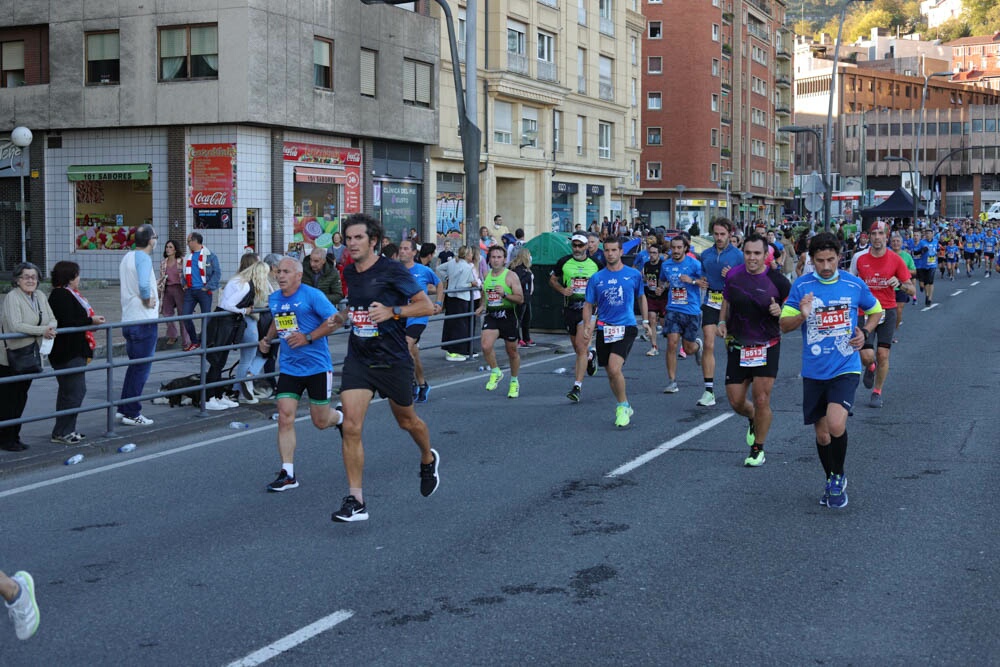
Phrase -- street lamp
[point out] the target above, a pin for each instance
(827, 182)
(920, 128)
(21, 137)
(727, 178)
(913, 191)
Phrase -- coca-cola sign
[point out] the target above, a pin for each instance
(212, 175)
(13, 160)
(317, 154)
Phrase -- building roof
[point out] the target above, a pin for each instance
(975, 41)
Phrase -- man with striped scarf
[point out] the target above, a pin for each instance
(201, 280)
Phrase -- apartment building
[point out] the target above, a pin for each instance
(717, 80)
(558, 105)
(259, 124)
(977, 60)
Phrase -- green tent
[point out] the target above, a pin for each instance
(548, 248)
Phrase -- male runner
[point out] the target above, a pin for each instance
(655, 292)
(415, 326)
(883, 271)
(380, 292)
(748, 321)
(896, 243)
(501, 294)
(926, 251)
(989, 249)
(301, 320)
(610, 307)
(683, 319)
(824, 305)
(716, 263)
(569, 278)
(969, 250)
(951, 257)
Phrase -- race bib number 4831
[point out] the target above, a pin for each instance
(833, 320)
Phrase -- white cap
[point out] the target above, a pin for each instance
(582, 238)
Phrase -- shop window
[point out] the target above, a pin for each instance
(417, 83)
(111, 201)
(12, 64)
(103, 58)
(367, 68)
(189, 52)
(322, 63)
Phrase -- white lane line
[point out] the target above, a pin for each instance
(293, 640)
(222, 438)
(957, 292)
(924, 310)
(973, 284)
(668, 445)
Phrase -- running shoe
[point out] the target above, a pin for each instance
(350, 510)
(67, 439)
(454, 356)
(522, 343)
(574, 394)
(671, 388)
(825, 499)
(415, 388)
(495, 376)
(756, 457)
(429, 479)
(707, 399)
(211, 404)
(591, 363)
(531, 343)
(138, 420)
(422, 392)
(622, 415)
(876, 400)
(698, 352)
(653, 351)
(191, 347)
(228, 402)
(339, 407)
(681, 354)
(514, 390)
(869, 378)
(838, 492)
(751, 434)
(283, 482)
(23, 611)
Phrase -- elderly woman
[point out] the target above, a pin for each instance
(70, 350)
(24, 311)
(457, 273)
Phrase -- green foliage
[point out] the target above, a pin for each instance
(950, 29)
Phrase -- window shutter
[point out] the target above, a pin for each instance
(424, 74)
(104, 46)
(409, 81)
(367, 72)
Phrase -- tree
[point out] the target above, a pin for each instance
(805, 28)
(951, 29)
(861, 25)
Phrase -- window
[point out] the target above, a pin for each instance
(977, 125)
(190, 52)
(581, 12)
(655, 29)
(502, 123)
(635, 134)
(716, 32)
(547, 57)
(714, 173)
(322, 63)
(417, 77)
(654, 136)
(715, 102)
(715, 137)
(461, 17)
(557, 131)
(654, 101)
(581, 135)
(12, 64)
(529, 127)
(605, 85)
(516, 41)
(655, 65)
(581, 71)
(991, 125)
(604, 140)
(653, 171)
(635, 93)
(368, 69)
(634, 50)
(715, 67)
(102, 58)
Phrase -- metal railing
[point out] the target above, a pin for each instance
(517, 62)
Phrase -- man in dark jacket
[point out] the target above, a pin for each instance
(323, 276)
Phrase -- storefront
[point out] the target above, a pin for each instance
(110, 202)
(326, 188)
(564, 197)
(699, 212)
(595, 204)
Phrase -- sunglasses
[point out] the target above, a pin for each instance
(578, 245)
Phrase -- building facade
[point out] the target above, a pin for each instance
(717, 80)
(260, 125)
(977, 60)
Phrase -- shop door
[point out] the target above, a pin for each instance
(253, 216)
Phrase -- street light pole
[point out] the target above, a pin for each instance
(21, 137)
(913, 190)
(943, 159)
(827, 183)
(918, 158)
(728, 178)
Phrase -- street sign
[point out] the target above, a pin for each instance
(813, 190)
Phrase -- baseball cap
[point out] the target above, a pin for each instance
(582, 238)
(879, 226)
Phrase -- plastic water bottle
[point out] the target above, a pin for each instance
(561, 371)
(274, 417)
(125, 449)
(73, 460)
(238, 426)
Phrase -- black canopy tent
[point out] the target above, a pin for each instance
(898, 205)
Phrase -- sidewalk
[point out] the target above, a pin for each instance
(177, 422)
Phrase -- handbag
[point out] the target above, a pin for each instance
(24, 360)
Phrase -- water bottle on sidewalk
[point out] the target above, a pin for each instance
(238, 426)
(125, 449)
(73, 460)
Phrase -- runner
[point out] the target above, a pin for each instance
(654, 291)
(926, 252)
(569, 278)
(683, 319)
(610, 307)
(501, 295)
(415, 326)
(18, 592)
(989, 249)
(380, 292)
(902, 298)
(950, 256)
(824, 306)
(968, 250)
(716, 263)
(883, 272)
(301, 320)
(748, 321)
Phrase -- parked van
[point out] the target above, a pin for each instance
(994, 212)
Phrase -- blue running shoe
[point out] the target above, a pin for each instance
(838, 492)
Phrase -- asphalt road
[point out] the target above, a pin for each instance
(530, 551)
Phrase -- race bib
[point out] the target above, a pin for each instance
(715, 299)
(833, 321)
(579, 286)
(494, 298)
(678, 296)
(651, 283)
(753, 356)
(286, 324)
(932, 260)
(362, 325)
(613, 334)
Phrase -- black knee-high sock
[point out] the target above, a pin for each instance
(825, 457)
(838, 446)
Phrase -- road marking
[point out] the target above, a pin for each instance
(973, 284)
(293, 640)
(957, 292)
(924, 310)
(668, 445)
(222, 438)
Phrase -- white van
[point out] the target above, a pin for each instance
(994, 212)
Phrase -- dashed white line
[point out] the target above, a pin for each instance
(668, 445)
(293, 640)
(924, 310)
(973, 284)
(957, 292)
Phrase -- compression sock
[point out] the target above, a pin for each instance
(838, 445)
(824, 457)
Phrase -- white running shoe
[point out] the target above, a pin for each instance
(138, 420)
(215, 404)
(707, 399)
(228, 402)
(24, 610)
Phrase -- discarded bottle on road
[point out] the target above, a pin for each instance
(73, 460)
(274, 417)
(125, 449)
(238, 426)
(561, 371)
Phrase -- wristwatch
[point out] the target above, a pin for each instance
(309, 338)
(396, 312)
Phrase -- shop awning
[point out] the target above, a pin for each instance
(109, 172)
(314, 175)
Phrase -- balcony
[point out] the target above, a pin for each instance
(782, 165)
(782, 138)
(727, 87)
(762, 5)
(726, 152)
(727, 17)
(726, 119)
(607, 26)
(759, 31)
(782, 53)
(727, 50)
(783, 82)
(547, 71)
(606, 92)
(517, 62)
(782, 109)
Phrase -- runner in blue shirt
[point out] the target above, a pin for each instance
(989, 250)
(610, 302)
(715, 264)
(426, 278)
(824, 306)
(683, 318)
(927, 252)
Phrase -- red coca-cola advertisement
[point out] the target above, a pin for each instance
(212, 175)
(341, 165)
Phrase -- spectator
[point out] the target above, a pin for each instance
(445, 255)
(336, 251)
(70, 350)
(251, 363)
(201, 278)
(171, 288)
(139, 307)
(318, 273)
(456, 274)
(594, 248)
(390, 251)
(237, 300)
(23, 312)
(521, 265)
(512, 248)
